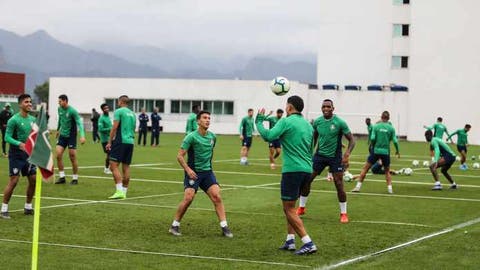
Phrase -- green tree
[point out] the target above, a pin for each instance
(42, 91)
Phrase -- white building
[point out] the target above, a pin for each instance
(427, 45)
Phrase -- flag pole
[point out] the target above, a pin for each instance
(36, 219)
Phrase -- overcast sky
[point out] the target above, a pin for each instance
(223, 26)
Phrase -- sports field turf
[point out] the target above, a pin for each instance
(81, 229)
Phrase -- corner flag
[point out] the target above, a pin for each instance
(38, 146)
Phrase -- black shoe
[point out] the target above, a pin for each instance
(28, 211)
(74, 182)
(226, 232)
(60, 180)
(5, 215)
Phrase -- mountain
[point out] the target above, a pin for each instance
(41, 56)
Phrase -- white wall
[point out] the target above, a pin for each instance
(87, 93)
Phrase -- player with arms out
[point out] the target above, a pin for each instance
(438, 128)
(443, 158)
(120, 144)
(69, 123)
(296, 135)
(199, 145)
(382, 134)
(18, 129)
(328, 131)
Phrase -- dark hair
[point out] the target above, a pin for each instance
(124, 99)
(195, 107)
(279, 111)
(199, 114)
(368, 118)
(439, 119)
(327, 99)
(103, 105)
(468, 126)
(250, 110)
(385, 115)
(296, 102)
(22, 97)
(428, 134)
(63, 97)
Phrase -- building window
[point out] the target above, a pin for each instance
(217, 107)
(401, 30)
(401, 2)
(160, 104)
(399, 61)
(111, 102)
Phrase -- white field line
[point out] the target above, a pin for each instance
(132, 165)
(390, 223)
(157, 253)
(368, 256)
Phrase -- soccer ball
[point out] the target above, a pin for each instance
(347, 177)
(415, 163)
(280, 86)
(426, 163)
(407, 171)
(476, 165)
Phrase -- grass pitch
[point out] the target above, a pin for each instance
(415, 228)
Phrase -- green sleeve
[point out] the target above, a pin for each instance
(188, 126)
(9, 132)
(451, 135)
(270, 134)
(79, 123)
(103, 126)
(187, 141)
(429, 127)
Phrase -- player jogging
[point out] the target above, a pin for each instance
(462, 142)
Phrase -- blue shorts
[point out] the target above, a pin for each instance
(275, 144)
(70, 142)
(247, 141)
(104, 147)
(121, 153)
(18, 163)
(320, 162)
(461, 148)
(377, 168)
(449, 160)
(292, 183)
(373, 158)
(204, 180)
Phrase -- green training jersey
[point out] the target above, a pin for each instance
(18, 129)
(369, 129)
(200, 150)
(246, 126)
(69, 122)
(382, 134)
(440, 149)
(191, 123)
(126, 127)
(438, 130)
(104, 127)
(330, 132)
(296, 135)
(272, 120)
(462, 137)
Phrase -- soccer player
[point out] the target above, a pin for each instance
(120, 144)
(296, 136)
(246, 131)
(142, 127)
(462, 142)
(154, 140)
(5, 115)
(328, 131)
(443, 158)
(69, 123)
(18, 130)
(368, 122)
(94, 118)
(192, 120)
(274, 146)
(199, 145)
(438, 128)
(382, 134)
(104, 127)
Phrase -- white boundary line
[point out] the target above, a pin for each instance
(390, 223)
(368, 256)
(157, 253)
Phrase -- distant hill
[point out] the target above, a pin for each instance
(41, 56)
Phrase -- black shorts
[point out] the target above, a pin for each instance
(70, 142)
(121, 153)
(204, 180)
(461, 148)
(377, 168)
(372, 158)
(275, 144)
(104, 147)
(247, 141)
(18, 163)
(292, 183)
(449, 160)
(320, 162)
